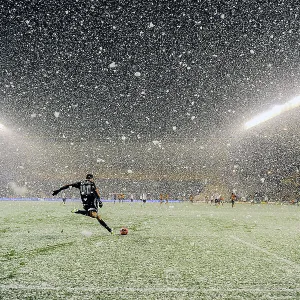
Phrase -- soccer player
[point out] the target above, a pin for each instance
(90, 198)
(131, 198)
(64, 198)
(167, 198)
(161, 198)
(233, 199)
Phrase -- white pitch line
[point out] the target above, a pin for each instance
(285, 260)
(147, 290)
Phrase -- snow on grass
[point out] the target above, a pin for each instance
(176, 251)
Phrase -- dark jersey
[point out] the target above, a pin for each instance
(87, 188)
(88, 192)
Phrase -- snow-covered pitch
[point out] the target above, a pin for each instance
(172, 251)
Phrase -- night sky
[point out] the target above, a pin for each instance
(146, 87)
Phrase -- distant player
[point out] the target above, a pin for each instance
(167, 198)
(221, 200)
(90, 198)
(144, 198)
(161, 198)
(64, 198)
(233, 199)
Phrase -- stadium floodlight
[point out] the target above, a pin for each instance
(4, 130)
(273, 112)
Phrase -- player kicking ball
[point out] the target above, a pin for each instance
(90, 198)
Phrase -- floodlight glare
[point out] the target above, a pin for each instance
(275, 111)
(2, 127)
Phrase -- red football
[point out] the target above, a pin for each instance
(123, 231)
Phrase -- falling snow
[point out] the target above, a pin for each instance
(163, 91)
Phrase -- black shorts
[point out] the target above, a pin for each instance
(90, 205)
(88, 209)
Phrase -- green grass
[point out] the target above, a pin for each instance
(175, 251)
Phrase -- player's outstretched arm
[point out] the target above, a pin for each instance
(55, 192)
(62, 188)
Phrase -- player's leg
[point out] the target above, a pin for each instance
(79, 211)
(94, 214)
(101, 222)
